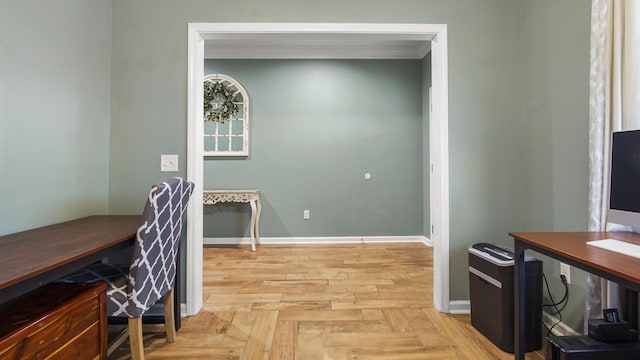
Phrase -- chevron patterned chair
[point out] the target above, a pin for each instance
(133, 288)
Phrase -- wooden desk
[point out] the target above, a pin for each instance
(35, 257)
(212, 197)
(571, 248)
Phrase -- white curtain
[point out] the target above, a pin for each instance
(614, 104)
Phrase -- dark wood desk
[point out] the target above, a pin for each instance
(571, 248)
(35, 257)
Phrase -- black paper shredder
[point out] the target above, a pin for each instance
(491, 287)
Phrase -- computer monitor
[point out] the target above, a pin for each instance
(624, 181)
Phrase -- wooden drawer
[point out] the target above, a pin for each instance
(56, 321)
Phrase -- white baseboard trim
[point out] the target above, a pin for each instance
(562, 329)
(319, 240)
(427, 241)
(559, 330)
(460, 307)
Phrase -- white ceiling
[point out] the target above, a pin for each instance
(315, 46)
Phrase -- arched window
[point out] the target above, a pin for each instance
(226, 117)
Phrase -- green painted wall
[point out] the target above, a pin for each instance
(517, 106)
(317, 126)
(555, 38)
(149, 72)
(54, 111)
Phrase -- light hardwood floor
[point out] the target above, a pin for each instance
(342, 302)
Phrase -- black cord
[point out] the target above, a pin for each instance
(566, 289)
(565, 297)
(564, 301)
(553, 304)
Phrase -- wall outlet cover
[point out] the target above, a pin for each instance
(565, 269)
(168, 163)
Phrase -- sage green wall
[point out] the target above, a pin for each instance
(517, 105)
(54, 111)
(555, 38)
(149, 79)
(518, 114)
(317, 126)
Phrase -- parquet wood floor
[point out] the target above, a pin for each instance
(308, 302)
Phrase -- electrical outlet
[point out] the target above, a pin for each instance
(565, 269)
(306, 215)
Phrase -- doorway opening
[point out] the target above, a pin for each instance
(293, 39)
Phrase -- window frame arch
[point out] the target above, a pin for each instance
(229, 135)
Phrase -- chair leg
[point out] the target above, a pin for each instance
(169, 319)
(135, 338)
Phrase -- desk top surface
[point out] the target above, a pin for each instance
(30, 253)
(573, 245)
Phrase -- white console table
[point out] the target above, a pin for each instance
(212, 197)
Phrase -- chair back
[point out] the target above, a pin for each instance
(153, 267)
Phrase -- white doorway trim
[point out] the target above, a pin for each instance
(439, 152)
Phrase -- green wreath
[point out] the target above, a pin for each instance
(218, 102)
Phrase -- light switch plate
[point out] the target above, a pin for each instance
(168, 163)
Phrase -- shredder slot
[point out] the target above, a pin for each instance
(486, 255)
(485, 277)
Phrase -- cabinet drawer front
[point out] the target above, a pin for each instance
(52, 331)
(83, 346)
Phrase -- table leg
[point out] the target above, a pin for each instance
(631, 307)
(253, 225)
(259, 206)
(519, 301)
